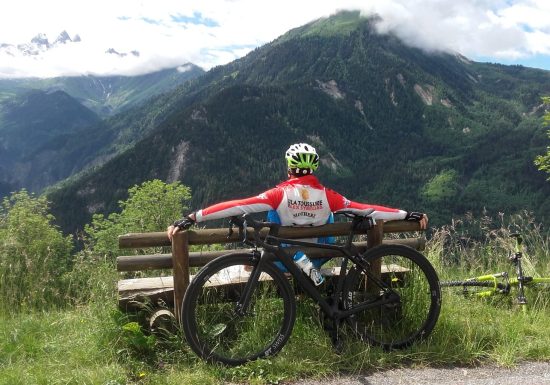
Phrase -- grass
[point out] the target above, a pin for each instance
(86, 346)
(93, 343)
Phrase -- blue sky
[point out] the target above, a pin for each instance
(168, 33)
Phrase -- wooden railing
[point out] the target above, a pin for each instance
(180, 260)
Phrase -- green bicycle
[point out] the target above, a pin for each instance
(501, 283)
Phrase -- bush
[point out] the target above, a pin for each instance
(152, 206)
(34, 254)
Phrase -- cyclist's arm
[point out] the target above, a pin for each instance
(339, 202)
(266, 201)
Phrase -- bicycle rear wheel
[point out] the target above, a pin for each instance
(215, 329)
(406, 281)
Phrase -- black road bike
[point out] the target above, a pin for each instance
(241, 307)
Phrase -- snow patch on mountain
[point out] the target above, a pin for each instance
(38, 45)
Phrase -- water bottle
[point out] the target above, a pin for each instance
(309, 269)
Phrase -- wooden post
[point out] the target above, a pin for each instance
(375, 235)
(374, 238)
(180, 265)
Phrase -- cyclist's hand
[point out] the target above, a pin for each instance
(181, 224)
(421, 218)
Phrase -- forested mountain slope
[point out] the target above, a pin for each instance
(34, 123)
(48, 134)
(105, 95)
(393, 124)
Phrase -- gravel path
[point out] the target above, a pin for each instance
(528, 373)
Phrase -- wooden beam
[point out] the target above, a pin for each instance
(201, 258)
(219, 235)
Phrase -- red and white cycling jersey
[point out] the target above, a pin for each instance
(299, 201)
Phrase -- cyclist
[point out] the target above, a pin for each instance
(299, 201)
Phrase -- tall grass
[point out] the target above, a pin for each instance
(34, 255)
(481, 245)
(88, 341)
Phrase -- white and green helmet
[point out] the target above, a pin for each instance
(302, 156)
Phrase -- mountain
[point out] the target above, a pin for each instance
(31, 126)
(48, 130)
(394, 125)
(106, 95)
(37, 46)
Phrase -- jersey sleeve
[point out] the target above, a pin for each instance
(338, 202)
(265, 201)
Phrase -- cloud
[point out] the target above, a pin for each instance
(169, 33)
(500, 29)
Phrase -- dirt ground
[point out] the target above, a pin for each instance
(528, 373)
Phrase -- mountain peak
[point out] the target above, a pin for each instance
(37, 45)
(40, 40)
(113, 51)
(338, 24)
(63, 38)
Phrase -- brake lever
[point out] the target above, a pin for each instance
(240, 224)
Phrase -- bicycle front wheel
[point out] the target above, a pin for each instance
(214, 326)
(400, 294)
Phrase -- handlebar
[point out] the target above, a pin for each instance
(246, 220)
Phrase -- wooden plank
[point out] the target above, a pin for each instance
(129, 288)
(133, 293)
(164, 261)
(212, 236)
(145, 284)
(201, 258)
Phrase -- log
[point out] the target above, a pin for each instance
(212, 236)
(201, 258)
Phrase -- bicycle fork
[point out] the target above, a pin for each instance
(516, 260)
(241, 306)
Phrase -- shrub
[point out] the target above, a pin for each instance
(34, 254)
(149, 207)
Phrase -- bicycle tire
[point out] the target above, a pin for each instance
(399, 324)
(215, 331)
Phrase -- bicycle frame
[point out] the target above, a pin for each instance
(520, 281)
(275, 252)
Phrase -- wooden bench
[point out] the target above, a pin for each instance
(169, 290)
